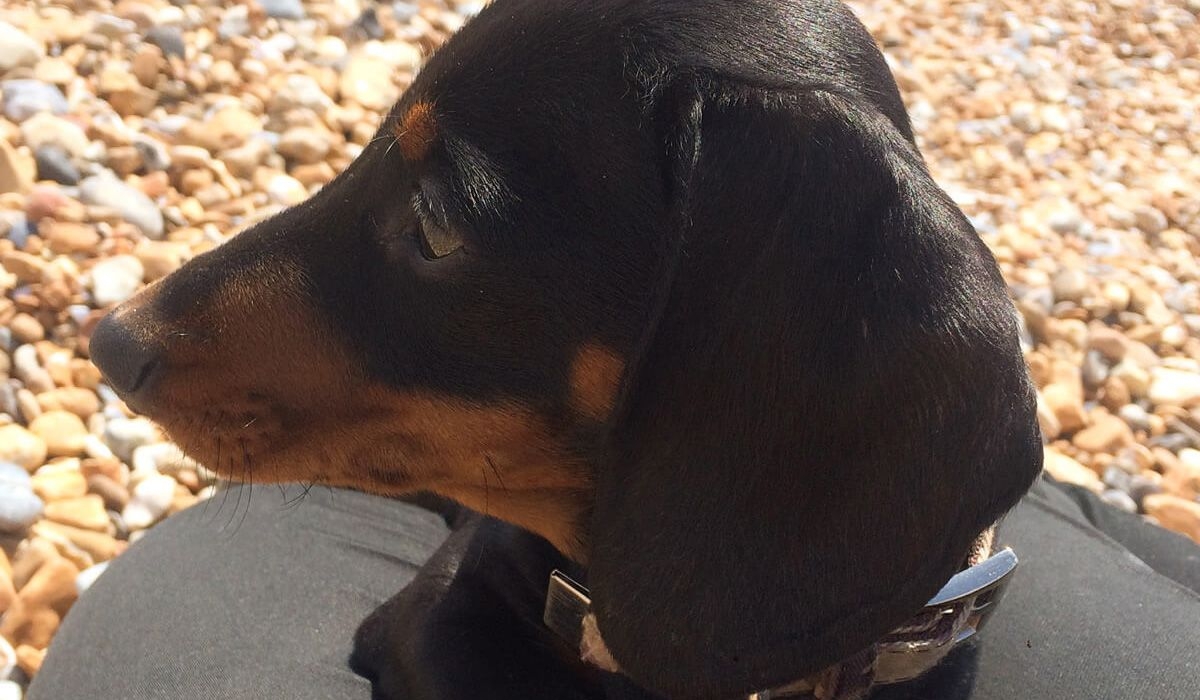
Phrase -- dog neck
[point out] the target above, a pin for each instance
(907, 652)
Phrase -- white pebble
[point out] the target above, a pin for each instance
(87, 577)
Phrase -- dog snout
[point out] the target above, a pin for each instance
(127, 361)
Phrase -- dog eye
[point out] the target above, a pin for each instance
(438, 241)
(436, 238)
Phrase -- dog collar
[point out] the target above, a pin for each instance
(957, 613)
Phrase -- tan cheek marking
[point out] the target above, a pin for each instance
(325, 422)
(595, 375)
(416, 131)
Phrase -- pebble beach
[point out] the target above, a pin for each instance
(137, 134)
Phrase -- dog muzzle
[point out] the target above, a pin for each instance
(957, 613)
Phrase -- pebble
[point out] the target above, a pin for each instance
(21, 447)
(45, 129)
(24, 98)
(1174, 387)
(124, 435)
(1120, 500)
(16, 175)
(59, 481)
(9, 690)
(283, 9)
(286, 190)
(86, 512)
(18, 49)
(1069, 471)
(367, 81)
(62, 431)
(134, 206)
(167, 38)
(1175, 513)
(114, 495)
(116, 279)
(150, 500)
(87, 577)
(1107, 434)
(54, 163)
(19, 507)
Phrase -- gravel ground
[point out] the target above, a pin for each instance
(136, 135)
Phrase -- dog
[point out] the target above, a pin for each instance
(664, 289)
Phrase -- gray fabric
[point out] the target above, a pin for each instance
(212, 606)
(206, 609)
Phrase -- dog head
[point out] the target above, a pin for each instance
(666, 283)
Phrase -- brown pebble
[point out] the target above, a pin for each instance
(29, 626)
(30, 659)
(8, 593)
(115, 496)
(81, 402)
(86, 512)
(58, 484)
(27, 267)
(26, 329)
(1070, 471)
(1174, 513)
(29, 557)
(111, 468)
(1107, 434)
(68, 237)
(63, 431)
(99, 546)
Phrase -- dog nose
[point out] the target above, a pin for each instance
(125, 361)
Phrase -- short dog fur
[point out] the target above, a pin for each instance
(662, 286)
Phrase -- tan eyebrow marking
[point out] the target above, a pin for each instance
(416, 131)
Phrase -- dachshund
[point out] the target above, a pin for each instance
(663, 289)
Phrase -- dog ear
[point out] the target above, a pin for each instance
(829, 407)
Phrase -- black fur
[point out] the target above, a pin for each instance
(824, 400)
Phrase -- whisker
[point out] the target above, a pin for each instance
(492, 464)
(247, 465)
(390, 145)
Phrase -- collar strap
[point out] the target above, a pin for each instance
(955, 614)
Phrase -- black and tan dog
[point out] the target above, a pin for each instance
(663, 282)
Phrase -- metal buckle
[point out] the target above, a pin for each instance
(567, 603)
(971, 596)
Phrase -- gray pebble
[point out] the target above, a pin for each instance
(234, 22)
(1094, 369)
(113, 27)
(8, 399)
(1140, 487)
(283, 9)
(154, 154)
(1135, 416)
(1171, 441)
(169, 39)
(25, 98)
(367, 24)
(19, 507)
(18, 227)
(54, 163)
(1119, 499)
(1117, 478)
(134, 206)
